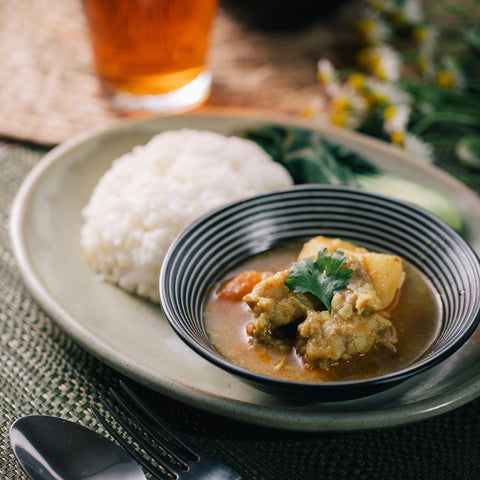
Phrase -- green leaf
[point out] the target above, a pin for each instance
(321, 276)
(308, 157)
(357, 164)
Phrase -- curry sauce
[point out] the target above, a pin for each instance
(416, 318)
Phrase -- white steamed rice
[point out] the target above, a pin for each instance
(149, 194)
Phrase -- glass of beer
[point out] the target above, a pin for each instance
(151, 54)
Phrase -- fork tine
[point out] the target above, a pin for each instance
(176, 455)
(130, 450)
(156, 420)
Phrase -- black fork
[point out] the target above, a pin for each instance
(166, 455)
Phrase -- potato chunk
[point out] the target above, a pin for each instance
(385, 271)
(316, 244)
(387, 275)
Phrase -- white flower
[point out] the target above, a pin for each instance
(316, 110)
(396, 118)
(326, 72)
(382, 61)
(347, 108)
(426, 37)
(385, 93)
(327, 77)
(410, 12)
(372, 29)
(417, 148)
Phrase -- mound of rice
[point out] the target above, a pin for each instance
(149, 194)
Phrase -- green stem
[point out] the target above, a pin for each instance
(444, 117)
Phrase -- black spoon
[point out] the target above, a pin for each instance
(51, 448)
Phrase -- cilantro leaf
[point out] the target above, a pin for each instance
(321, 276)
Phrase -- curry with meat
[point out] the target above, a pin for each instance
(381, 317)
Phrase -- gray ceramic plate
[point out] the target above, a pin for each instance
(133, 336)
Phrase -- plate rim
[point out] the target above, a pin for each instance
(267, 416)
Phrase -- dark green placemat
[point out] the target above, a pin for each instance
(43, 371)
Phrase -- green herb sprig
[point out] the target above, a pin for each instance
(321, 276)
(309, 157)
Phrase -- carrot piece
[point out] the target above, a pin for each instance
(240, 285)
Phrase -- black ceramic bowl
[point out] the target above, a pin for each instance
(217, 242)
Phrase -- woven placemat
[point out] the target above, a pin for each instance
(50, 92)
(43, 371)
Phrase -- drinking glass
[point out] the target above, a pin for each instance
(151, 54)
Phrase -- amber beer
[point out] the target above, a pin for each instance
(150, 47)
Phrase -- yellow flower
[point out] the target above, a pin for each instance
(341, 103)
(390, 112)
(449, 76)
(398, 138)
(419, 34)
(371, 29)
(356, 81)
(347, 108)
(424, 65)
(339, 118)
(445, 79)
